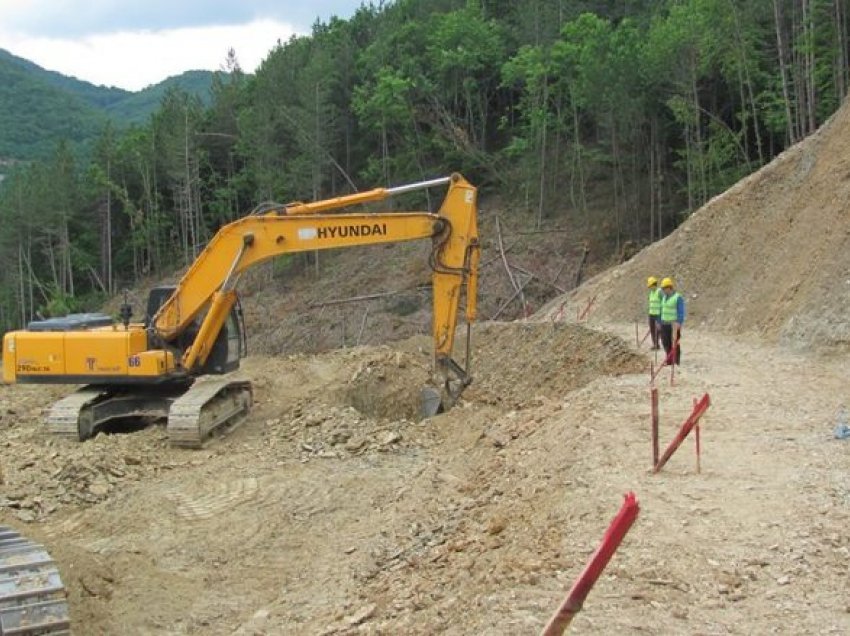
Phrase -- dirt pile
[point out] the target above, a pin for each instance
(771, 255)
(514, 363)
(387, 385)
(42, 475)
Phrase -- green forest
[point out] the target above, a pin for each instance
(611, 118)
(40, 107)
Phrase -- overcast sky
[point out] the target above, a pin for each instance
(132, 44)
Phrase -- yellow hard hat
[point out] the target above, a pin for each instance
(667, 282)
(651, 281)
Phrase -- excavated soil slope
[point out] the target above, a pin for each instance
(769, 256)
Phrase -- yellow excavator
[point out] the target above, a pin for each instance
(176, 363)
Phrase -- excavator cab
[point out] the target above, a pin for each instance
(230, 345)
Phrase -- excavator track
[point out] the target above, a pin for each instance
(32, 598)
(209, 404)
(193, 413)
(67, 414)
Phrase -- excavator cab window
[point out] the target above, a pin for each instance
(229, 346)
(156, 298)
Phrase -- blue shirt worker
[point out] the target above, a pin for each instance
(654, 308)
(672, 318)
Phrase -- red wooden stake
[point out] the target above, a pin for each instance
(699, 410)
(653, 396)
(667, 360)
(696, 433)
(571, 606)
(696, 439)
(560, 313)
(671, 360)
(584, 313)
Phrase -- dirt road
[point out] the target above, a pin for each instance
(316, 518)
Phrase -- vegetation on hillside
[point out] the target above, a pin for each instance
(38, 108)
(34, 113)
(607, 117)
(136, 108)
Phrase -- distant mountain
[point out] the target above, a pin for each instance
(35, 111)
(98, 96)
(39, 107)
(134, 108)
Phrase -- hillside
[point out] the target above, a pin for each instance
(135, 108)
(39, 107)
(507, 93)
(98, 96)
(771, 256)
(35, 113)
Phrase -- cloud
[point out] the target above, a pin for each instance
(135, 59)
(70, 19)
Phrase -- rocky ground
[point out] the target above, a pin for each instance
(332, 510)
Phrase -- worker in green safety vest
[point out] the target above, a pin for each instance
(654, 305)
(672, 318)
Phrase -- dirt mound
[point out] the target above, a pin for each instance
(769, 256)
(387, 385)
(516, 362)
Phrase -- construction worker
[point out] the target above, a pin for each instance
(672, 317)
(654, 303)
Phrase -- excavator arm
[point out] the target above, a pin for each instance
(208, 287)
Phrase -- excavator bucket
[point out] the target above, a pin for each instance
(433, 401)
(430, 402)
